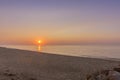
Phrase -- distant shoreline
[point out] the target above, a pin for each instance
(104, 58)
(102, 52)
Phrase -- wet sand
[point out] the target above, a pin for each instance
(28, 65)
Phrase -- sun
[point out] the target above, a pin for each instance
(39, 41)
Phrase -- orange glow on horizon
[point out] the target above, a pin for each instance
(39, 41)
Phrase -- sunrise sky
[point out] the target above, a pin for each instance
(60, 21)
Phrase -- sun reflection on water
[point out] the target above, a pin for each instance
(39, 48)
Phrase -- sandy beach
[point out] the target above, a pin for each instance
(28, 65)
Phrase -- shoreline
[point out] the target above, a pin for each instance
(94, 57)
(31, 65)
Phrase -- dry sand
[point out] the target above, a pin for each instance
(28, 65)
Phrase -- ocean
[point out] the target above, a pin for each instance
(97, 51)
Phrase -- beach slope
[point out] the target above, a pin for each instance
(28, 65)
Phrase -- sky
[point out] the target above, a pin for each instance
(60, 21)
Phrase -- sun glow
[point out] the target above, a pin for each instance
(39, 41)
(39, 45)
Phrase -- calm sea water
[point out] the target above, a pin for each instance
(75, 50)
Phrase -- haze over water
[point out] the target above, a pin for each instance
(103, 51)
